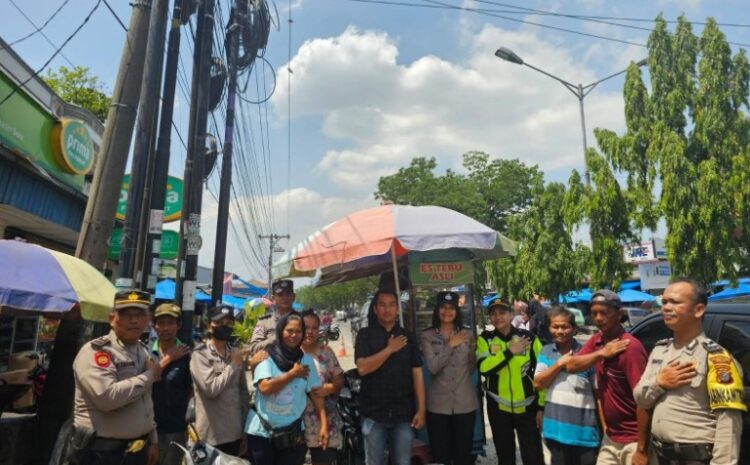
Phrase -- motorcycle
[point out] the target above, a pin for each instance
(329, 333)
(352, 451)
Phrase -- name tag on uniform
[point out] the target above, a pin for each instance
(124, 363)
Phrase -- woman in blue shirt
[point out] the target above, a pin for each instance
(283, 381)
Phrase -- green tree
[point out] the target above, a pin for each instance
(490, 192)
(80, 87)
(342, 296)
(546, 262)
(691, 135)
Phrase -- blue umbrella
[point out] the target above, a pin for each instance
(635, 285)
(631, 296)
(729, 293)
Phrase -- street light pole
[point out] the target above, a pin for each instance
(580, 91)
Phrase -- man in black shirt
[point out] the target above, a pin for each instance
(171, 394)
(392, 394)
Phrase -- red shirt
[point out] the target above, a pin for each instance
(616, 378)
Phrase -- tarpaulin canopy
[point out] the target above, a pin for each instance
(742, 290)
(165, 290)
(630, 295)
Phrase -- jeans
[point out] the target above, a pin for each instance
(398, 436)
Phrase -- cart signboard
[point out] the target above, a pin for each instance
(441, 273)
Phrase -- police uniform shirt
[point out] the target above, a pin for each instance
(221, 396)
(264, 333)
(684, 415)
(113, 389)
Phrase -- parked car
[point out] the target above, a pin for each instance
(727, 324)
(633, 315)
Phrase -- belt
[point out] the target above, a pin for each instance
(677, 451)
(129, 445)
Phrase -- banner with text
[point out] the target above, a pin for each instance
(441, 273)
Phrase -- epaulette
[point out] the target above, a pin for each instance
(100, 342)
(712, 347)
(266, 316)
(200, 346)
(525, 333)
(487, 335)
(664, 342)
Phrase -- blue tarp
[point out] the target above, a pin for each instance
(742, 290)
(635, 284)
(584, 295)
(236, 302)
(254, 290)
(165, 290)
(630, 295)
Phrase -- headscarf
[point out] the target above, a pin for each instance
(283, 356)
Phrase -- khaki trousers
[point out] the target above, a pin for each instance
(614, 453)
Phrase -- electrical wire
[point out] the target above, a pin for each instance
(289, 123)
(124, 28)
(38, 29)
(57, 52)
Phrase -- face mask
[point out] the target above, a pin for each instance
(222, 333)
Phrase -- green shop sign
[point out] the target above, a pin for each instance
(72, 146)
(441, 273)
(172, 201)
(169, 243)
(26, 129)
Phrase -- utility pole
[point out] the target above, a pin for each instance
(98, 219)
(190, 239)
(163, 145)
(144, 136)
(233, 43)
(273, 239)
(96, 229)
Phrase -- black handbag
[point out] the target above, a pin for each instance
(286, 437)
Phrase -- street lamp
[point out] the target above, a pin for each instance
(580, 91)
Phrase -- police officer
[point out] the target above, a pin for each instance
(264, 333)
(113, 415)
(693, 386)
(221, 396)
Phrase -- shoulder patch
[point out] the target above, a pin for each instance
(664, 342)
(102, 359)
(100, 342)
(712, 347)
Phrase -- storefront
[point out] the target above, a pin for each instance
(47, 155)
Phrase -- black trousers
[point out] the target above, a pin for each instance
(451, 437)
(504, 424)
(663, 461)
(263, 452)
(231, 448)
(565, 454)
(117, 457)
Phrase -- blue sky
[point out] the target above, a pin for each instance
(374, 85)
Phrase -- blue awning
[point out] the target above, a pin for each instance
(742, 290)
(634, 284)
(632, 296)
(584, 295)
(165, 290)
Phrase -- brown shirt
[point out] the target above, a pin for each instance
(113, 389)
(683, 415)
(451, 390)
(221, 396)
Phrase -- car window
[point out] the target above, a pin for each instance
(735, 337)
(652, 332)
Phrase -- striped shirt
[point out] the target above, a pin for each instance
(570, 415)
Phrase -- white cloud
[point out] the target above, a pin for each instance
(308, 209)
(382, 112)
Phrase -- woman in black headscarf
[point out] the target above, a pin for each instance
(283, 381)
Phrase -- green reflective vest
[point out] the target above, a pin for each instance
(508, 378)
